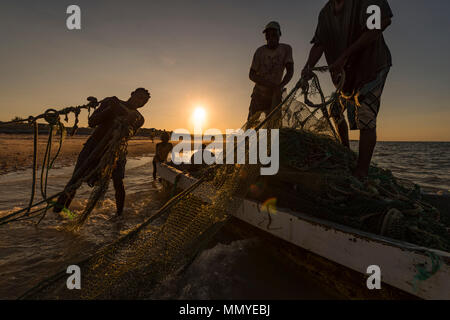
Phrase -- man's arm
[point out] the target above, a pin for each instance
(138, 121)
(363, 41)
(315, 54)
(289, 68)
(134, 120)
(103, 113)
(288, 76)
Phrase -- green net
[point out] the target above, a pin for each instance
(314, 178)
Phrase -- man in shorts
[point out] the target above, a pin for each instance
(267, 70)
(349, 45)
(103, 119)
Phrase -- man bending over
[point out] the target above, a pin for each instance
(111, 111)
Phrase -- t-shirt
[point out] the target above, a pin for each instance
(335, 33)
(270, 65)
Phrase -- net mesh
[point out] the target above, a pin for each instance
(314, 177)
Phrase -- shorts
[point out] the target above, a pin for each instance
(362, 107)
(261, 103)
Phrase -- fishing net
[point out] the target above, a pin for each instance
(315, 178)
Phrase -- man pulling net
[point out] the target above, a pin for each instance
(111, 117)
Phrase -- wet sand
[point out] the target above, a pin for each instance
(16, 150)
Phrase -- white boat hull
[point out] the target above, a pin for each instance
(343, 245)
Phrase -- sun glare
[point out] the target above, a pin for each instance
(199, 116)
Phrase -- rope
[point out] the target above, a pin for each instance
(52, 117)
(35, 151)
(323, 105)
(93, 103)
(9, 218)
(423, 274)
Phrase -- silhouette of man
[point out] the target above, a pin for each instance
(348, 44)
(103, 119)
(162, 151)
(268, 66)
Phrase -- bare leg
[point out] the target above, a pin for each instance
(120, 195)
(154, 170)
(64, 200)
(367, 142)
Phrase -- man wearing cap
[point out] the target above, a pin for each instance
(349, 45)
(267, 70)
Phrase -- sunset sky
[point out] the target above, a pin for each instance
(198, 53)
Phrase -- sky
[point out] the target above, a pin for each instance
(192, 53)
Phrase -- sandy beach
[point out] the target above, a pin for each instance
(16, 150)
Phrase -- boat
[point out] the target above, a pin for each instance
(339, 256)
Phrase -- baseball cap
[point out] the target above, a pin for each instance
(273, 25)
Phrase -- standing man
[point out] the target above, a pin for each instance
(350, 46)
(162, 152)
(103, 120)
(269, 63)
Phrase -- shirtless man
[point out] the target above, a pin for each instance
(103, 119)
(162, 151)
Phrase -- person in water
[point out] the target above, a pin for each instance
(162, 152)
(103, 120)
(349, 45)
(267, 69)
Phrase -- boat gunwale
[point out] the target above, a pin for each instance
(370, 237)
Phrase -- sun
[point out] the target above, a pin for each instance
(199, 116)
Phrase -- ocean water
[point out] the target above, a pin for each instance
(231, 269)
(424, 163)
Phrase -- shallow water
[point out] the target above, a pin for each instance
(29, 253)
(231, 269)
(238, 268)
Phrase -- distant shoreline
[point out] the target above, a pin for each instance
(25, 128)
(16, 150)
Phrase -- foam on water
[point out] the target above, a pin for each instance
(30, 253)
